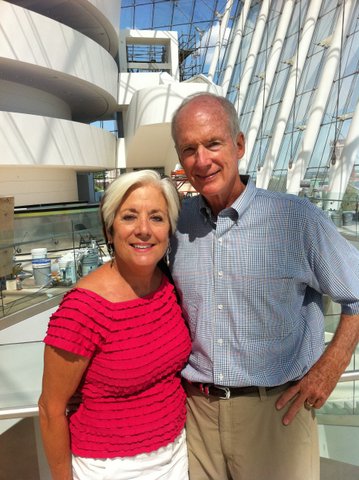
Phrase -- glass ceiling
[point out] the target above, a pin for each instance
(198, 23)
(201, 27)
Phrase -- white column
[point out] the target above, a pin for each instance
(339, 174)
(122, 51)
(263, 95)
(297, 172)
(264, 175)
(235, 46)
(252, 55)
(222, 25)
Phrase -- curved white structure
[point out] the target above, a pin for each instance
(97, 19)
(38, 143)
(58, 74)
(148, 123)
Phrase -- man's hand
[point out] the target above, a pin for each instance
(318, 383)
(312, 390)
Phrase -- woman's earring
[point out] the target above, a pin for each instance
(167, 255)
(110, 249)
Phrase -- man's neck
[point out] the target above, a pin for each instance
(219, 203)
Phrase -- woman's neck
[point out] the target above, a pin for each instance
(141, 283)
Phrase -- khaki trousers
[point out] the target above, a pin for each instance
(242, 438)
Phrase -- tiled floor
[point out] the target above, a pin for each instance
(18, 459)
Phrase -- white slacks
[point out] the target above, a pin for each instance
(166, 463)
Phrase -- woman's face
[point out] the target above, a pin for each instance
(141, 228)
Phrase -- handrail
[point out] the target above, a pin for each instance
(33, 410)
(30, 311)
(349, 376)
(19, 412)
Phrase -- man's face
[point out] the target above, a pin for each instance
(208, 153)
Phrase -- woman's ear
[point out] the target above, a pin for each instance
(109, 234)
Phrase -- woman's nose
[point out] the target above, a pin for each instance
(143, 227)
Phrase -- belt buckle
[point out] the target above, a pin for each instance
(226, 390)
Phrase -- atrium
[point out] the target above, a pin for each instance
(87, 92)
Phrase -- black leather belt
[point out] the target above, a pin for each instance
(227, 392)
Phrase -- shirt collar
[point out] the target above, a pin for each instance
(237, 208)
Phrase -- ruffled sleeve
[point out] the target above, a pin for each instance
(75, 325)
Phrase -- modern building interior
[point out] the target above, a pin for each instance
(87, 92)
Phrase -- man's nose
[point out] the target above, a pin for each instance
(202, 156)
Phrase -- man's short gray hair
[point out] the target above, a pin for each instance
(226, 105)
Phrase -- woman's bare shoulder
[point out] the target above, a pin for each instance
(95, 280)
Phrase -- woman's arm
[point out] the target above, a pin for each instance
(62, 374)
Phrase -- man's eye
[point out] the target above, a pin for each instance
(214, 145)
(188, 151)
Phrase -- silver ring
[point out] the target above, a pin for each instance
(308, 405)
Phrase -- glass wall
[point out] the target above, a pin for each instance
(200, 28)
(52, 248)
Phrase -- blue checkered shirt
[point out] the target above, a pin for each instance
(252, 282)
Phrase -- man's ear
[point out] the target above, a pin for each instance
(240, 142)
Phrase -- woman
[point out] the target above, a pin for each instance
(118, 342)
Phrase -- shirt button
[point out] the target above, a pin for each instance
(220, 341)
(220, 241)
(220, 274)
(220, 376)
(220, 307)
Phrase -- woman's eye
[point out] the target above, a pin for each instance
(157, 218)
(128, 217)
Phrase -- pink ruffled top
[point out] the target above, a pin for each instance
(132, 400)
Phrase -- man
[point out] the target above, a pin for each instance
(251, 267)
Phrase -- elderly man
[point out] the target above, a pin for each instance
(251, 267)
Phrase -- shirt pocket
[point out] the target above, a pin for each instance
(269, 306)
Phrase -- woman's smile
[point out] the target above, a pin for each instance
(141, 228)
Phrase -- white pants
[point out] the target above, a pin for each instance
(166, 463)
